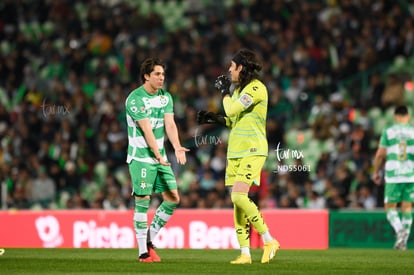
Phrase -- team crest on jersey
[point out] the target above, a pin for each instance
(246, 100)
(163, 100)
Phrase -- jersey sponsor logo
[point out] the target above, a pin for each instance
(155, 102)
(246, 100)
(248, 176)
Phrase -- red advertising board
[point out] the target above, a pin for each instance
(196, 229)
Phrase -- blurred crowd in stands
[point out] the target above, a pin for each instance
(66, 68)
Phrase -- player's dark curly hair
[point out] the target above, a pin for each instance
(251, 66)
(148, 65)
(401, 110)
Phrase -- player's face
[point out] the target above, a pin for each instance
(234, 71)
(155, 79)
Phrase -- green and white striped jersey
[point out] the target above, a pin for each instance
(398, 140)
(142, 105)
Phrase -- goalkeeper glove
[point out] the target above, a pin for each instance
(204, 117)
(222, 84)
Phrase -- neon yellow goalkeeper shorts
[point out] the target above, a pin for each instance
(247, 169)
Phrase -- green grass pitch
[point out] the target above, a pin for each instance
(197, 262)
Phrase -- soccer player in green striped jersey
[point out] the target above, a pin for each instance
(149, 115)
(246, 111)
(396, 150)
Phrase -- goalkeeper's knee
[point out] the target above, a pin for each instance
(238, 198)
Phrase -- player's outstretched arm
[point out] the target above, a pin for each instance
(172, 133)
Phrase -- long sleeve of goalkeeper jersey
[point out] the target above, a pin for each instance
(246, 111)
(232, 107)
(242, 100)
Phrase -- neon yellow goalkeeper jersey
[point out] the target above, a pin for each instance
(398, 140)
(246, 113)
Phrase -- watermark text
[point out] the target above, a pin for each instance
(52, 109)
(290, 154)
(200, 140)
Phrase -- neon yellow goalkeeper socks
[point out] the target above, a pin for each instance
(242, 226)
(250, 209)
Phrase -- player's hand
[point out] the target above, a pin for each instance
(222, 84)
(205, 117)
(376, 178)
(162, 161)
(180, 155)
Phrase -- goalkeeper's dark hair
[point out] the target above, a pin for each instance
(251, 66)
(401, 110)
(148, 65)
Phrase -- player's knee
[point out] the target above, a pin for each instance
(141, 197)
(238, 198)
(170, 205)
(171, 196)
(174, 200)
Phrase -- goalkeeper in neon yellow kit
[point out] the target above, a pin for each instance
(246, 111)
